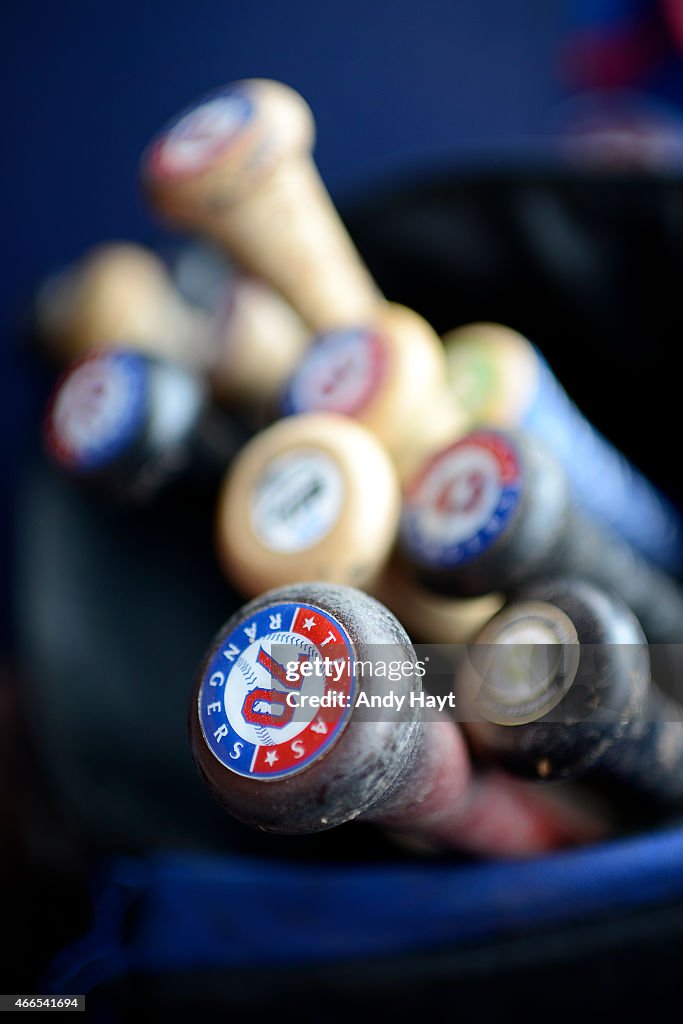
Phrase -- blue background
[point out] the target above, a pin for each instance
(394, 85)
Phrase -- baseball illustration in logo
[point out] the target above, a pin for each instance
(297, 500)
(199, 135)
(97, 410)
(462, 500)
(340, 373)
(278, 691)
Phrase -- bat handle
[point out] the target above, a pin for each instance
(439, 799)
(656, 600)
(649, 756)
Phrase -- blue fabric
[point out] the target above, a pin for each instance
(177, 912)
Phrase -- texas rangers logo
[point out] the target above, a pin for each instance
(278, 691)
(197, 136)
(462, 500)
(97, 410)
(341, 373)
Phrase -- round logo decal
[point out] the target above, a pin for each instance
(98, 410)
(340, 373)
(278, 691)
(462, 500)
(297, 500)
(197, 136)
(526, 661)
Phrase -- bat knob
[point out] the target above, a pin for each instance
(312, 497)
(215, 151)
(237, 167)
(275, 727)
(116, 291)
(485, 513)
(389, 374)
(552, 682)
(123, 420)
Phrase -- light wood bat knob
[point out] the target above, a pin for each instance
(237, 167)
(312, 497)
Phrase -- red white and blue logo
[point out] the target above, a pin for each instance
(278, 691)
(197, 136)
(98, 410)
(340, 373)
(462, 500)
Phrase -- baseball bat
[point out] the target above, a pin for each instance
(498, 378)
(121, 293)
(389, 374)
(237, 167)
(280, 762)
(558, 685)
(133, 424)
(430, 617)
(495, 511)
(311, 497)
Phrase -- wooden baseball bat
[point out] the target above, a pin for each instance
(498, 378)
(311, 497)
(280, 762)
(121, 293)
(389, 374)
(132, 424)
(558, 685)
(495, 511)
(237, 167)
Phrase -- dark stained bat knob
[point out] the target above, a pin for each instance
(286, 735)
(494, 511)
(133, 423)
(558, 685)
